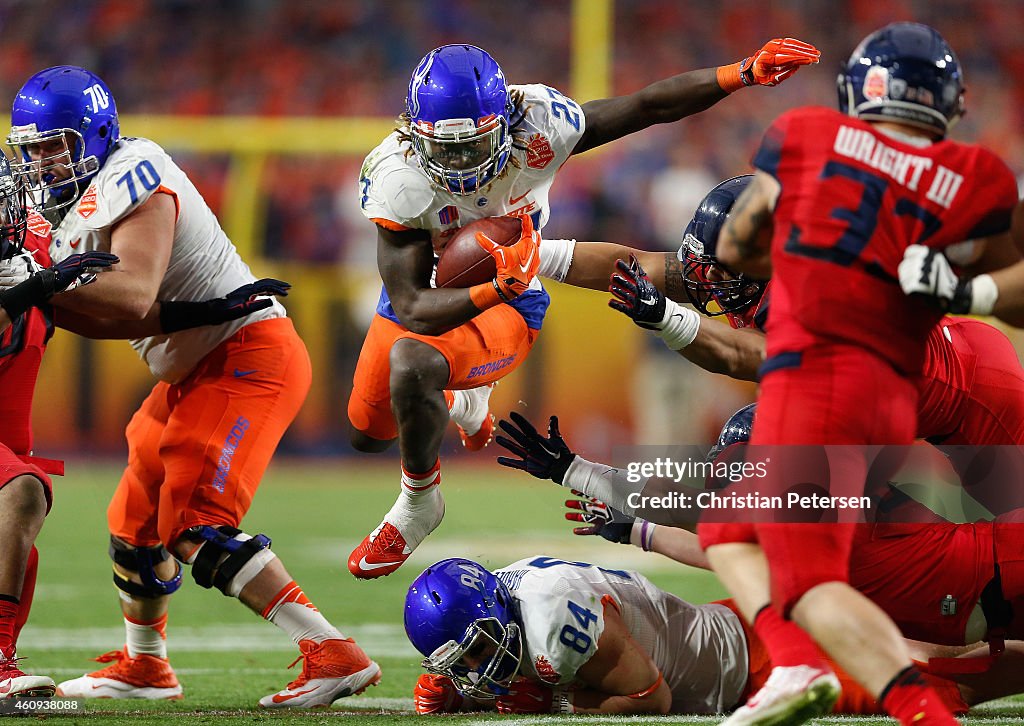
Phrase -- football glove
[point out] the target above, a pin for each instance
(517, 263)
(436, 694)
(546, 457)
(605, 521)
(636, 296)
(17, 269)
(773, 63)
(75, 271)
(245, 300)
(927, 272)
(528, 696)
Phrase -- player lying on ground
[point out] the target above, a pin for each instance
(543, 635)
(470, 146)
(201, 441)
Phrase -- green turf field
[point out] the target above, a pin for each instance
(227, 657)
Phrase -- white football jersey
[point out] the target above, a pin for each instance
(392, 185)
(204, 264)
(701, 650)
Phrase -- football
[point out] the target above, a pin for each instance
(464, 263)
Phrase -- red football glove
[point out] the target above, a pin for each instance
(526, 696)
(517, 263)
(436, 694)
(776, 61)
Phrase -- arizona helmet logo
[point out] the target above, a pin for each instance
(876, 83)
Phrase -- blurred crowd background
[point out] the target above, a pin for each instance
(352, 59)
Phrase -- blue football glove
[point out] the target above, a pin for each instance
(546, 457)
(604, 521)
(75, 271)
(636, 296)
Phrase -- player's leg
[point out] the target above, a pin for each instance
(472, 355)
(237, 424)
(372, 426)
(144, 573)
(24, 501)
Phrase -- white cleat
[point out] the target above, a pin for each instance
(790, 696)
(144, 676)
(331, 669)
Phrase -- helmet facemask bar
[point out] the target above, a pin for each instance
(40, 155)
(460, 156)
(13, 216)
(494, 675)
(732, 295)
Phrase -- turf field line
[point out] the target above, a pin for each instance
(385, 640)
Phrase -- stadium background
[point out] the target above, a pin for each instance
(270, 106)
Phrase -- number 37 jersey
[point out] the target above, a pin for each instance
(852, 199)
(701, 650)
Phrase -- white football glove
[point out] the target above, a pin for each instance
(926, 271)
(17, 269)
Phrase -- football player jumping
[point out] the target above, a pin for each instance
(199, 444)
(470, 146)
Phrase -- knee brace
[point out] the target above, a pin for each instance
(142, 560)
(228, 558)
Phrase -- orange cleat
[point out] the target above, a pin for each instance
(382, 552)
(477, 441)
(144, 676)
(331, 669)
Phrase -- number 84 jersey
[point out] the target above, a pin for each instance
(701, 650)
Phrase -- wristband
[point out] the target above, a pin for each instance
(556, 258)
(561, 701)
(179, 315)
(486, 295)
(729, 77)
(642, 534)
(612, 486)
(679, 325)
(985, 292)
(34, 291)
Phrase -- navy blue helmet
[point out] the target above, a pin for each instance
(459, 109)
(705, 279)
(906, 73)
(463, 619)
(63, 117)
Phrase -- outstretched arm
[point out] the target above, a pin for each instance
(744, 244)
(688, 93)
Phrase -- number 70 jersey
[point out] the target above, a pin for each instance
(853, 198)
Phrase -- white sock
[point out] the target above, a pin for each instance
(470, 408)
(292, 611)
(146, 637)
(420, 507)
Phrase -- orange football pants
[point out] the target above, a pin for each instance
(198, 449)
(480, 351)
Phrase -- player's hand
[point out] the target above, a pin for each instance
(926, 271)
(75, 271)
(636, 296)
(604, 521)
(525, 696)
(546, 457)
(517, 263)
(776, 61)
(436, 694)
(244, 300)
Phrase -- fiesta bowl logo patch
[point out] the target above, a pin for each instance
(37, 224)
(538, 152)
(876, 83)
(545, 670)
(87, 207)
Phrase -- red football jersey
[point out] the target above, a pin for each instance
(21, 352)
(852, 200)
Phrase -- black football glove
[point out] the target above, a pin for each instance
(75, 271)
(635, 295)
(242, 301)
(546, 457)
(605, 521)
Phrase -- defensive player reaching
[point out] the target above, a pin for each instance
(470, 146)
(202, 439)
(843, 198)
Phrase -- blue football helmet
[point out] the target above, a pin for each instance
(13, 216)
(906, 73)
(63, 127)
(736, 431)
(459, 109)
(705, 279)
(462, 618)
